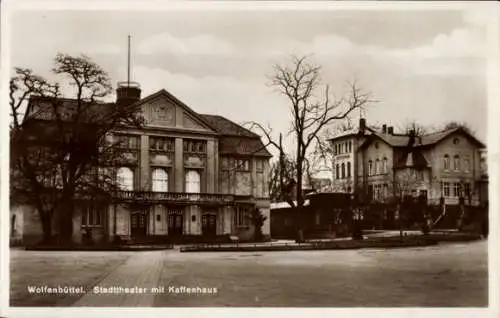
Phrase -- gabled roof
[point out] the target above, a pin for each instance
(430, 139)
(403, 140)
(174, 99)
(233, 138)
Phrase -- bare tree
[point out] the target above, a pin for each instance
(416, 127)
(282, 177)
(60, 148)
(312, 110)
(463, 125)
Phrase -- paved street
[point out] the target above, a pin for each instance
(443, 275)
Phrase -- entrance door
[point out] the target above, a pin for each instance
(209, 225)
(175, 223)
(138, 224)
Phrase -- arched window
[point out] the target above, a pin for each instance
(384, 166)
(192, 181)
(125, 179)
(370, 167)
(160, 180)
(337, 171)
(348, 169)
(377, 166)
(343, 170)
(350, 146)
(446, 162)
(456, 162)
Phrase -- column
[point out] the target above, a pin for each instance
(186, 215)
(144, 164)
(216, 167)
(210, 169)
(179, 166)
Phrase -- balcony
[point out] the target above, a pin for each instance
(176, 197)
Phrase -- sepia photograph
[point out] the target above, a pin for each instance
(247, 154)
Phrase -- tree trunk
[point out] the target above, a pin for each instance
(46, 220)
(66, 219)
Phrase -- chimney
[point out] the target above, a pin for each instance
(384, 128)
(390, 130)
(127, 93)
(362, 125)
(412, 138)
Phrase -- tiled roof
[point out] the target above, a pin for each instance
(242, 146)
(400, 140)
(226, 127)
(353, 131)
(44, 108)
(234, 139)
(430, 139)
(394, 140)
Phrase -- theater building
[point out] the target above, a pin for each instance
(186, 174)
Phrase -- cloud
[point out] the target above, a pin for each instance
(200, 44)
(459, 43)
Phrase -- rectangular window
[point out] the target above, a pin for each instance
(194, 146)
(161, 144)
(242, 164)
(242, 217)
(467, 192)
(128, 141)
(92, 215)
(456, 189)
(446, 189)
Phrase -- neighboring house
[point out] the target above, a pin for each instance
(443, 164)
(187, 174)
(345, 162)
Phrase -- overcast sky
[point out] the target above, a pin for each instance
(427, 66)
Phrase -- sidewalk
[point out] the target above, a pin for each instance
(141, 271)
